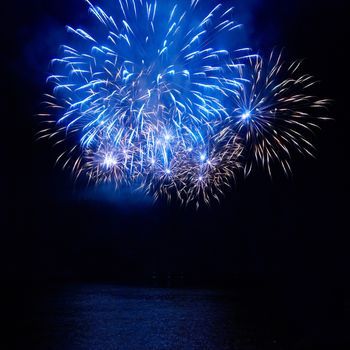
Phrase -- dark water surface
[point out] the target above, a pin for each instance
(110, 317)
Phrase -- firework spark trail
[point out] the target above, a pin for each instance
(273, 112)
(149, 99)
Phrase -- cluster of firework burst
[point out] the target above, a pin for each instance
(149, 100)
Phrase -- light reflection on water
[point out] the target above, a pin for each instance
(109, 317)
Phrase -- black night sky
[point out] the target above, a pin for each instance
(284, 240)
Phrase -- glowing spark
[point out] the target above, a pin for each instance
(246, 115)
(109, 161)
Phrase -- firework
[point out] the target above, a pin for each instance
(140, 94)
(197, 175)
(152, 98)
(274, 113)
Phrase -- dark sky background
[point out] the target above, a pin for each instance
(286, 230)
